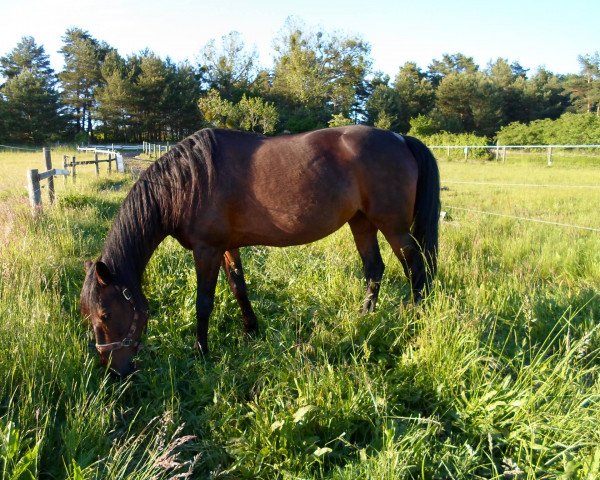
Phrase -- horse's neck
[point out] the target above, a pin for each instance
(136, 233)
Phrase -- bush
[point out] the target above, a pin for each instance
(569, 129)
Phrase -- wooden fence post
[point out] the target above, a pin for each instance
(97, 164)
(549, 156)
(48, 160)
(74, 168)
(35, 193)
(109, 163)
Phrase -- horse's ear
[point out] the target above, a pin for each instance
(103, 274)
(87, 265)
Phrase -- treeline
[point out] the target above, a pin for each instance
(317, 79)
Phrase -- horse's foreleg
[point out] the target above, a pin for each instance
(207, 260)
(365, 237)
(232, 264)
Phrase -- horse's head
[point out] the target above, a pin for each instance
(116, 317)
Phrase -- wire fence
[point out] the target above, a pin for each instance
(10, 148)
(523, 219)
(528, 185)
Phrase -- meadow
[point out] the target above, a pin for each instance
(495, 375)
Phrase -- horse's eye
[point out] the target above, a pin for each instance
(104, 317)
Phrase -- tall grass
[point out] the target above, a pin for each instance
(494, 376)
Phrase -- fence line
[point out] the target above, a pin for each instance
(114, 147)
(33, 183)
(21, 148)
(515, 146)
(155, 150)
(499, 151)
(499, 184)
(527, 219)
(71, 161)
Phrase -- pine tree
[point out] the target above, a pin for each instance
(115, 99)
(30, 104)
(83, 56)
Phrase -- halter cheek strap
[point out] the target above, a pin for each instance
(128, 340)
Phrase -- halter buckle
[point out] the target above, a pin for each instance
(127, 294)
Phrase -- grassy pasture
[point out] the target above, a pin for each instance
(495, 376)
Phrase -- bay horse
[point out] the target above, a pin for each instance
(219, 190)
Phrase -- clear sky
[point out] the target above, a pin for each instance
(550, 33)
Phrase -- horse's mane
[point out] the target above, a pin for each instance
(155, 204)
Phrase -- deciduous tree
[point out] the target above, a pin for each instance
(230, 68)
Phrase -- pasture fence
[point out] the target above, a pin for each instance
(155, 150)
(11, 148)
(112, 156)
(517, 217)
(500, 153)
(113, 147)
(34, 177)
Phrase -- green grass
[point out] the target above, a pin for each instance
(495, 376)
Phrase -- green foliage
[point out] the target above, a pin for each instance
(256, 115)
(383, 106)
(250, 114)
(569, 129)
(316, 75)
(81, 76)
(324, 74)
(228, 68)
(31, 109)
(17, 457)
(447, 138)
(384, 121)
(27, 55)
(29, 103)
(415, 94)
(468, 101)
(422, 126)
(338, 120)
(585, 88)
(217, 111)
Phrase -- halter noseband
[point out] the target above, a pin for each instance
(128, 340)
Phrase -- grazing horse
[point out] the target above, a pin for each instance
(219, 190)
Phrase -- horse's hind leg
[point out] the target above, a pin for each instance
(365, 237)
(232, 264)
(407, 251)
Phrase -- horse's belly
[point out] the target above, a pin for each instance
(292, 226)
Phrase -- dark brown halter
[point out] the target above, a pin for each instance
(128, 340)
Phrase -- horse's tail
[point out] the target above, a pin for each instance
(427, 205)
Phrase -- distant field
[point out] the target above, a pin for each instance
(495, 376)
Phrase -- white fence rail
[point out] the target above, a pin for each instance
(112, 156)
(115, 147)
(499, 152)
